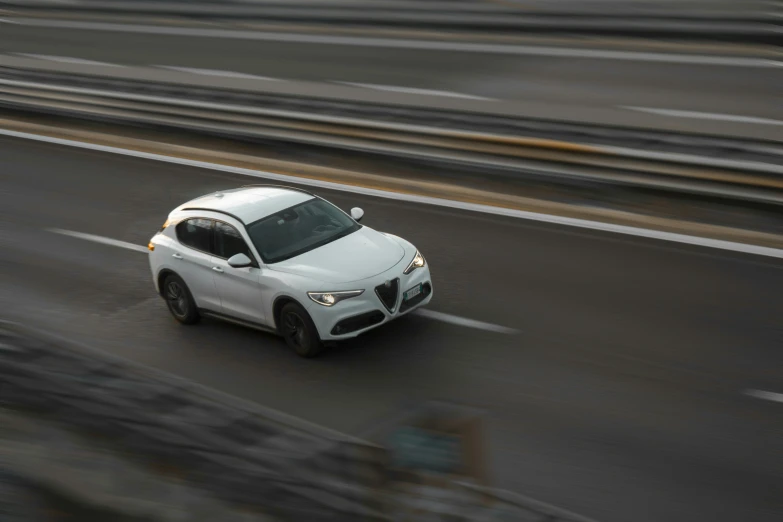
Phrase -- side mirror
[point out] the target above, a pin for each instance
(239, 261)
(357, 213)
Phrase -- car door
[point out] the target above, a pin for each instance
(239, 288)
(193, 261)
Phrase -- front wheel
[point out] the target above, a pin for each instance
(299, 331)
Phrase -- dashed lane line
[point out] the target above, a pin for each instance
(218, 73)
(430, 314)
(765, 395)
(695, 115)
(66, 59)
(414, 90)
(100, 239)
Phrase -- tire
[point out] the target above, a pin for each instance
(179, 300)
(299, 331)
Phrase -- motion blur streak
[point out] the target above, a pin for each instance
(545, 218)
(595, 185)
(622, 345)
(390, 43)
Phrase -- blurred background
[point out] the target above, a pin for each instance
(596, 185)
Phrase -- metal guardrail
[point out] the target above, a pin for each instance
(724, 25)
(400, 117)
(735, 169)
(606, 9)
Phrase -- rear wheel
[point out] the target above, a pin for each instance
(179, 300)
(299, 331)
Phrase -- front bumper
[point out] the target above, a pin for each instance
(357, 315)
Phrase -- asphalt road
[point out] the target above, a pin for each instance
(619, 397)
(699, 95)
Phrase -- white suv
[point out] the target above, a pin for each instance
(286, 261)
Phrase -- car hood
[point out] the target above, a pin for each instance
(360, 255)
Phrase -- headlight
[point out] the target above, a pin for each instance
(418, 262)
(332, 298)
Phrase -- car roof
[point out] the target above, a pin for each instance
(249, 204)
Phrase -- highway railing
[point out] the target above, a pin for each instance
(747, 170)
(607, 19)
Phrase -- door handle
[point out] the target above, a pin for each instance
(176, 256)
(217, 269)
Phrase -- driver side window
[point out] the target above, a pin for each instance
(229, 242)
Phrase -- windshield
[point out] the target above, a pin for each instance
(299, 229)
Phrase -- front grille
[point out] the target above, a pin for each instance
(388, 294)
(426, 289)
(358, 322)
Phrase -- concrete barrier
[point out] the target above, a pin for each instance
(239, 452)
(113, 435)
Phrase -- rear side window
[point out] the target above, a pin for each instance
(195, 233)
(229, 242)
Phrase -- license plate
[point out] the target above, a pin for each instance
(413, 292)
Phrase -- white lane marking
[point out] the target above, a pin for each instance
(705, 115)
(66, 59)
(100, 239)
(414, 90)
(462, 321)
(5, 21)
(767, 396)
(215, 72)
(425, 200)
(555, 52)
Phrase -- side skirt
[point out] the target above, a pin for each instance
(240, 322)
